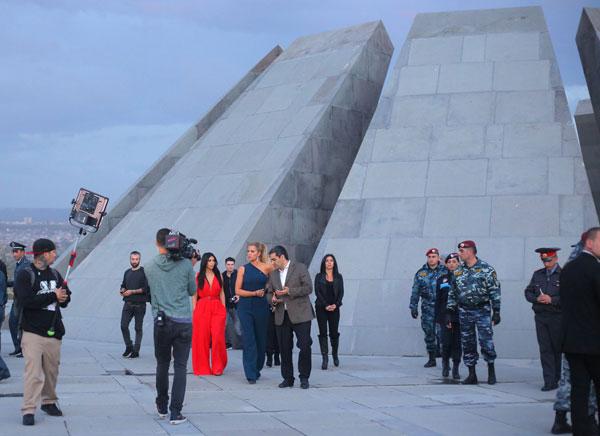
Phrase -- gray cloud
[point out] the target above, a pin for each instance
(95, 77)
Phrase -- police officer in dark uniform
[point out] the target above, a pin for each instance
(18, 252)
(424, 288)
(543, 293)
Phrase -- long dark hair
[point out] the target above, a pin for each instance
(335, 268)
(203, 265)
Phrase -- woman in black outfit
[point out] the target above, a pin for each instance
(448, 322)
(329, 289)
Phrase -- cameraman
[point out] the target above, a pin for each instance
(172, 283)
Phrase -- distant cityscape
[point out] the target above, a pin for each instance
(27, 225)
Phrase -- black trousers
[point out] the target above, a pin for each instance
(326, 318)
(137, 311)
(451, 346)
(171, 339)
(549, 334)
(584, 368)
(285, 335)
(272, 341)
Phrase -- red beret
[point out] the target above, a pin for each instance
(466, 244)
(432, 251)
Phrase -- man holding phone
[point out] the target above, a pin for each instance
(288, 289)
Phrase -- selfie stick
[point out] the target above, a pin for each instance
(81, 233)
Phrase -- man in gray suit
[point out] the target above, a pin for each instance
(288, 289)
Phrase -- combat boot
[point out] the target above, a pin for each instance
(491, 374)
(455, 374)
(324, 351)
(431, 362)
(561, 426)
(471, 378)
(445, 367)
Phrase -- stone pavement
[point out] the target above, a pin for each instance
(102, 393)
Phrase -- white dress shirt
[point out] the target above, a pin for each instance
(282, 277)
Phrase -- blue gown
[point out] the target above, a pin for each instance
(253, 313)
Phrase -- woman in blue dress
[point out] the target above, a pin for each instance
(253, 308)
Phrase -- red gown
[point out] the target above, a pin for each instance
(209, 331)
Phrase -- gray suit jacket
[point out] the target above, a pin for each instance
(297, 301)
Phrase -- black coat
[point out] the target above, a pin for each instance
(338, 290)
(443, 285)
(549, 285)
(580, 302)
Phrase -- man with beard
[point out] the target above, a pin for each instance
(134, 290)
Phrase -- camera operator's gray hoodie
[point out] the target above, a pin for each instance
(171, 285)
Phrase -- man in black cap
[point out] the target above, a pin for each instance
(543, 293)
(41, 294)
(18, 252)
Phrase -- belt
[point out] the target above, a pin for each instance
(209, 298)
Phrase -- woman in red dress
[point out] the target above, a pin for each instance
(209, 320)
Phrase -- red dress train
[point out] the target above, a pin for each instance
(209, 331)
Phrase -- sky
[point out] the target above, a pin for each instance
(93, 92)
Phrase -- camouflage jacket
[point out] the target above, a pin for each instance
(474, 287)
(424, 285)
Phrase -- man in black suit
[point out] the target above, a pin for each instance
(580, 301)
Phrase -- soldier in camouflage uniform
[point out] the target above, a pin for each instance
(475, 293)
(424, 288)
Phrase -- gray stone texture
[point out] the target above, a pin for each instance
(472, 139)
(270, 168)
(154, 175)
(589, 138)
(588, 43)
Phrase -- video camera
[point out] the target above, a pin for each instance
(180, 246)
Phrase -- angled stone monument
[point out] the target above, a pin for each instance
(155, 173)
(472, 139)
(588, 43)
(269, 167)
(589, 138)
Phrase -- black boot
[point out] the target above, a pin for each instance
(128, 351)
(472, 377)
(455, 374)
(269, 360)
(276, 360)
(561, 426)
(324, 351)
(445, 367)
(431, 362)
(335, 342)
(491, 374)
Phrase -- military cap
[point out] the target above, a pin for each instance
(16, 245)
(451, 256)
(432, 251)
(547, 252)
(467, 244)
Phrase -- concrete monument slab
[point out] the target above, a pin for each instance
(499, 167)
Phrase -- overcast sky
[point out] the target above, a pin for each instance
(86, 85)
